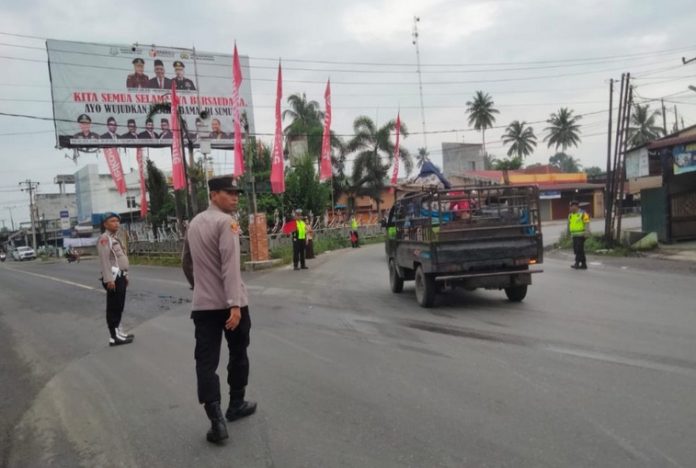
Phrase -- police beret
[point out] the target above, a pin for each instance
(179, 63)
(138, 60)
(84, 118)
(110, 215)
(159, 63)
(226, 183)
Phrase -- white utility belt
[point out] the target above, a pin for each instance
(116, 271)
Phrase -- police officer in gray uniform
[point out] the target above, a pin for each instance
(211, 263)
(114, 270)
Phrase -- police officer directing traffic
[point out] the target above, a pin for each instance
(211, 263)
(579, 230)
(114, 276)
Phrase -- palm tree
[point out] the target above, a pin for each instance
(304, 114)
(308, 121)
(643, 128)
(564, 130)
(522, 138)
(422, 157)
(372, 144)
(481, 111)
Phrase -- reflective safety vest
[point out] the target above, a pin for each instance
(577, 221)
(354, 224)
(301, 230)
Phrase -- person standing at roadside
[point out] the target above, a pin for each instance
(579, 230)
(114, 276)
(299, 242)
(211, 263)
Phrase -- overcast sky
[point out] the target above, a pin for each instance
(533, 57)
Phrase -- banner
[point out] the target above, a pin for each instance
(178, 171)
(684, 158)
(325, 170)
(395, 174)
(103, 93)
(277, 166)
(143, 189)
(113, 160)
(236, 104)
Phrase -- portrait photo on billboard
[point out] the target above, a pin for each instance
(103, 94)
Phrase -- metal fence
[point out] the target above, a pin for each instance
(145, 246)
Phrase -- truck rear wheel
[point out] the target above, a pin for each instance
(516, 293)
(396, 283)
(425, 288)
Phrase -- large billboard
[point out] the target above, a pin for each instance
(102, 94)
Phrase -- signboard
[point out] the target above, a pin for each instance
(102, 94)
(549, 195)
(65, 222)
(684, 158)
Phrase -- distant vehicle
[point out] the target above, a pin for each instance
(469, 236)
(3, 256)
(23, 253)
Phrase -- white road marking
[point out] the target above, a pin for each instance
(71, 283)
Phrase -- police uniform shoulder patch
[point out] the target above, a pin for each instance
(234, 226)
(104, 241)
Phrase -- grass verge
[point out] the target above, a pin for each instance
(596, 245)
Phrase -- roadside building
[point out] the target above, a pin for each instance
(458, 158)
(97, 194)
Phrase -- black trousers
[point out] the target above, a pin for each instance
(210, 326)
(115, 302)
(298, 252)
(579, 250)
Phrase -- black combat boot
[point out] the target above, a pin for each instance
(218, 428)
(240, 408)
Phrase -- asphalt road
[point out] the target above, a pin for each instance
(594, 368)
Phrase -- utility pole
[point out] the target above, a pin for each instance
(416, 19)
(9, 208)
(30, 187)
(676, 119)
(607, 195)
(664, 117)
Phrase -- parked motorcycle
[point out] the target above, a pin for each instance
(3, 256)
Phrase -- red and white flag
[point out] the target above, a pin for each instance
(277, 166)
(114, 162)
(143, 190)
(236, 104)
(178, 172)
(325, 171)
(395, 174)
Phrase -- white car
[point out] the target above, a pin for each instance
(23, 253)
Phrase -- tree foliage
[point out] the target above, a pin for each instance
(481, 114)
(563, 130)
(521, 139)
(565, 162)
(644, 127)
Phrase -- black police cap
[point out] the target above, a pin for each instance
(574, 202)
(159, 63)
(84, 118)
(179, 63)
(226, 183)
(138, 60)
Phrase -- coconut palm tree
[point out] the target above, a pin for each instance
(563, 129)
(422, 157)
(307, 120)
(375, 151)
(481, 114)
(521, 139)
(643, 127)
